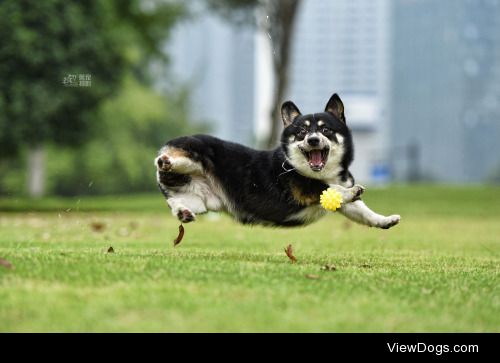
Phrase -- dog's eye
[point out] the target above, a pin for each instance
(326, 131)
(302, 133)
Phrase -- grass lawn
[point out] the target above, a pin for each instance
(435, 272)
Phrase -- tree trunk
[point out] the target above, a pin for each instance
(284, 19)
(36, 171)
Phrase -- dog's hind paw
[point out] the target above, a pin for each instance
(185, 216)
(390, 221)
(163, 163)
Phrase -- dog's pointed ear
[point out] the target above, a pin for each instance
(336, 107)
(289, 112)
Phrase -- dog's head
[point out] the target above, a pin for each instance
(317, 145)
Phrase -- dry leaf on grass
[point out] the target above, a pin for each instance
(97, 226)
(289, 253)
(5, 263)
(180, 236)
(111, 250)
(312, 276)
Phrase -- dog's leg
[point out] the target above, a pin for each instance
(185, 206)
(348, 194)
(359, 212)
(176, 160)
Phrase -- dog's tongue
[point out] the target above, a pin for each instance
(315, 158)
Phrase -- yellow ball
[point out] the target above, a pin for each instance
(330, 199)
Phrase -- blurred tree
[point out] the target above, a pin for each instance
(276, 18)
(47, 46)
(119, 159)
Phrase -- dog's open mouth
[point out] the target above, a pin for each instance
(317, 158)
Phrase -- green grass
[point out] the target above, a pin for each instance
(437, 271)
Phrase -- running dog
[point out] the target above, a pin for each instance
(280, 187)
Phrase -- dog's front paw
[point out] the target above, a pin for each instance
(390, 221)
(356, 191)
(185, 216)
(163, 163)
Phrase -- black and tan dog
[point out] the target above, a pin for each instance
(280, 187)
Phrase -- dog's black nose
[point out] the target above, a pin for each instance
(159, 161)
(313, 140)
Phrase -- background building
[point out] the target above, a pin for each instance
(446, 90)
(215, 60)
